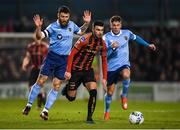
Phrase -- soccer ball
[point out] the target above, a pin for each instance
(136, 117)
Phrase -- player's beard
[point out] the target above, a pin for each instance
(64, 23)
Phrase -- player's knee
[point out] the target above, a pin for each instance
(56, 85)
(93, 93)
(109, 93)
(70, 98)
(41, 80)
(126, 76)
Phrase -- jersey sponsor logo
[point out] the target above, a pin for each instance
(59, 36)
(126, 38)
(82, 39)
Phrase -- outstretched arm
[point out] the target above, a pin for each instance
(87, 20)
(38, 23)
(143, 42)
(104, 66)
(104, 69)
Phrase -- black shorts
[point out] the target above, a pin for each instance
(78, 77)
(33, 76)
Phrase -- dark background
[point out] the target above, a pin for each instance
(157, 21)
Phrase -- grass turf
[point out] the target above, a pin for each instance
(72, 115)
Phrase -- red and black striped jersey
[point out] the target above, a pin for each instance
(83, 52)
(38, 52)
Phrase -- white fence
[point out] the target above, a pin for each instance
(138, 91)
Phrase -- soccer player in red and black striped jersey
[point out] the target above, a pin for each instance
(35, 54)
(79, 68)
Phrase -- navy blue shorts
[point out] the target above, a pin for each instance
(54, 65)
(113, 76)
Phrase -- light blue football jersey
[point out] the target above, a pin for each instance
(119, 56)
(60, 39)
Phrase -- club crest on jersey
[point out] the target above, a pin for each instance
(59, 36)
(69, 29)
(126, 38)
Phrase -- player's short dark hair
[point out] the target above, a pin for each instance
(115, 18)
(63, 9)
(98, 23)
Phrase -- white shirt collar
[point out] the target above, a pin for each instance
(57, 22)
(116, 34)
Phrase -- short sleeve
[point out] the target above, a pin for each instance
(77, 29)
(81, 42)
(48, 31)
(132, 36)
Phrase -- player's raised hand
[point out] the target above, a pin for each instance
(87, 16)
(152, 47)
(37, 20)
(67, 75)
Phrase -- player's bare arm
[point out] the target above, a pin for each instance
(26, 61)
(104, 68)
(87, 20)
(38, 23)
(104, 83)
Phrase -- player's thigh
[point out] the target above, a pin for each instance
(91, 85)
(47, 67)
(74, 83)
(112, 77)
(89, 79)
(72, 88)
(61, 64)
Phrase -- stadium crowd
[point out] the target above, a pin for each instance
(162, 65)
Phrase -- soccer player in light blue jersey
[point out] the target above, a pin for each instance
(117, 42)
(60, 34)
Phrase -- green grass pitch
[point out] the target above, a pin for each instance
(72, 115)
